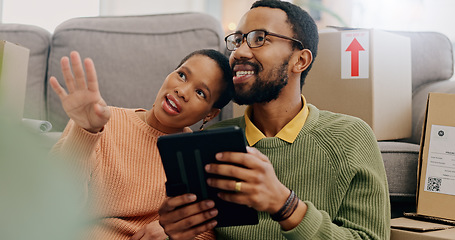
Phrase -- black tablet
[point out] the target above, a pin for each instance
(184, 156)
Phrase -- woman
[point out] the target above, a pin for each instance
(113, 150)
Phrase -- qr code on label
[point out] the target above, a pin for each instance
(434, 184)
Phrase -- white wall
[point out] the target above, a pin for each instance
(46, 13)
(400, 15)
(407, 15)
(139, 7)
(413, 15)
(49, 13)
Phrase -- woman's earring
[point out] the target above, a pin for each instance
(203, 123)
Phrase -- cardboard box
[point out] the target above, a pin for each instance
(436, 169)
(13, 78)
(405, 229)
(367, 74)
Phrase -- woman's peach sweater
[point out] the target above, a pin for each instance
(121, 173)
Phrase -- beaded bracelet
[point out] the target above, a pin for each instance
(288, 208)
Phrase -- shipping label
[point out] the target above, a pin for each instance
(440, 175)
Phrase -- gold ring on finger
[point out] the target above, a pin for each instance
(238, 186)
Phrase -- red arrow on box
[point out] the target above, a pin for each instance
(355, 48)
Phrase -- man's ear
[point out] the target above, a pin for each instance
(212, 114)
(304, 59)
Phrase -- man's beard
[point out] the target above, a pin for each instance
(264, 91)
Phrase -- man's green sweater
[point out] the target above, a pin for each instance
(336, 168)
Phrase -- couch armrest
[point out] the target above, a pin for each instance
(432, 57)
(38, 41)
(419, 103)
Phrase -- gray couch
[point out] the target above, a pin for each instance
(133, 54)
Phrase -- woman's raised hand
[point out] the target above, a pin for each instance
(83, 102)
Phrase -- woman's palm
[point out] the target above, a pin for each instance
(83, 102)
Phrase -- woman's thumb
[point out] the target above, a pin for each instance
(102, 111)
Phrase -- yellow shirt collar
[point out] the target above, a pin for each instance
(288, 133)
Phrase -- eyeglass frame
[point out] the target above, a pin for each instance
(245, 36)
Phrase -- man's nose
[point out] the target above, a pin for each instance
(243, 51)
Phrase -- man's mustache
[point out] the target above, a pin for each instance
(256, 66)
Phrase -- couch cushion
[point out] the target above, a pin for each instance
(132, 54)
(38, 41)
(400, 162)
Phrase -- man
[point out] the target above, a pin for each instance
(330, 161)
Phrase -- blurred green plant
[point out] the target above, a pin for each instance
(38, 196)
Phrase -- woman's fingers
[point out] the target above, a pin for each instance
(74, 75)
(174, 210)
(191, 233)
(172, 203)
(73, 72)
(78, 70)
(58, 89)
(67, 74)
(181, 218)
(92, 80)
(191, 221)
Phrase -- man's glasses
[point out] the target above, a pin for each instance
(254, 39)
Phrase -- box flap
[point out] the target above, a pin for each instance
(429, 218)
(416, 225)
(422, 138)
(399, 234)
(13, 78)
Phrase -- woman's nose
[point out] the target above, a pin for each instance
(182, 92)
